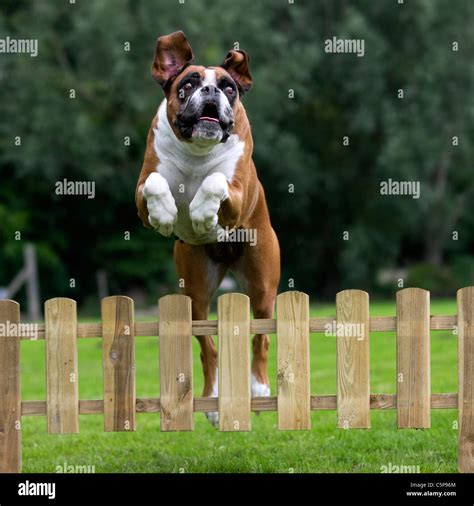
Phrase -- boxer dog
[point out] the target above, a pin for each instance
(199, 182)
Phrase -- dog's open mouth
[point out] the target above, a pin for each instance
(210, 113)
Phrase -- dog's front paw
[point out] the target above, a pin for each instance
(162, 210)
(207, 201)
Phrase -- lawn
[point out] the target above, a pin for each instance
(323, 449)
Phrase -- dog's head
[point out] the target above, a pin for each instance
(201, 101)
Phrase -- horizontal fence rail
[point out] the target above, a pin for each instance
(293, 403)
(208, 404)
(261, 326)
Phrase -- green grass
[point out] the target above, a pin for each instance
(323, 449)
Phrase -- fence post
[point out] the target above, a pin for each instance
(32, 284)
(294, 395)
(118, 361)
(413, 359)
(233, 322)
(10, 400)
(353, 363)
(61, 366)
(176, 363)
(465, 301)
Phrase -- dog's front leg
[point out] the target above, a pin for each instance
(216, 201)
(207, 201)
(162, 210)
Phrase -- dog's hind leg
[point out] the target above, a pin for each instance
(199, 278)
(258, 272)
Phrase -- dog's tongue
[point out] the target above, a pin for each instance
(208, 118)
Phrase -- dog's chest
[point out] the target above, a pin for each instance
(185, 171)
(185, 174)
(183, 186)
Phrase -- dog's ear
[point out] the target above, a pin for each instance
(237, 65)
(172, 54)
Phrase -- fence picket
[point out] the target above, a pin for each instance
(176, 363)
(465, 301)
(413, 359)
(61, 366)
(234, 362)
(353, 363)
(294, 397)
(10, 400)
(118, 359)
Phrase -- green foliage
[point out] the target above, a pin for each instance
(463, 270)
(434, 278)
(297, 141)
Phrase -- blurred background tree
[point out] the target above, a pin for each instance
(298, 139)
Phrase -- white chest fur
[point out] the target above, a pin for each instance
(185, 166)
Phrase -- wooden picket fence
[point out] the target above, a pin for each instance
(294, 402)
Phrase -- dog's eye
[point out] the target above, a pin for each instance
(188, 86)
(229, 90)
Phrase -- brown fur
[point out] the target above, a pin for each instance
(203, 267)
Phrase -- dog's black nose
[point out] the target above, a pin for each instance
(209, 90)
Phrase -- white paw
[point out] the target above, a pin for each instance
(259, 389)
(162, 209)
(207, 201)
(213, 416)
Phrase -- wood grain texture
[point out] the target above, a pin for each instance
(294, 396)
(118, 361)
(465, 301)
(413, 359)
(204, 404)
(260, 326)
(353, 363)
(61, 366)
(233, 318)
(10, 400)
(176, 363)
